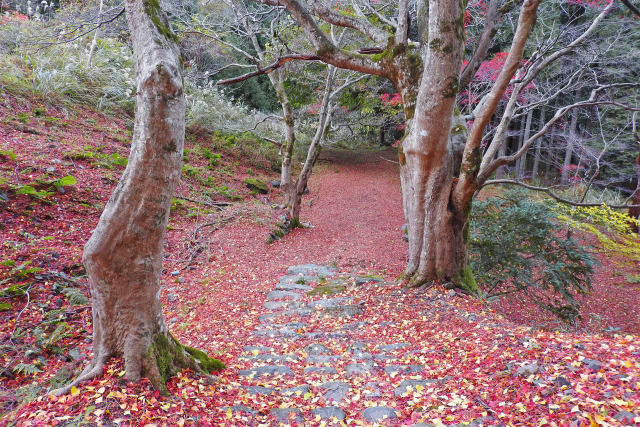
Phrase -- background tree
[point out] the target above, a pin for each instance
(123, 257)
(438, 189)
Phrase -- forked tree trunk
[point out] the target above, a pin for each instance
(295, 192)
(437, 249)
(123, 257)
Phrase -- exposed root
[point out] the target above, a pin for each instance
(93, 370)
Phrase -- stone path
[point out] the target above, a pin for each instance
(306, 312)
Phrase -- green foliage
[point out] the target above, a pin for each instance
(75, 296)
(256, 185)
(97, 157)
(515, 249)
(8, 154)
(26, 369)
(328, 289)
(612, 228)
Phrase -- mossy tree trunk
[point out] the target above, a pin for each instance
(123, 257)
(437, 248)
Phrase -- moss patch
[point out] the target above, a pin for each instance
(208, 364)
(254, 184)
(328, 289)
(153, 10)
(467, 281)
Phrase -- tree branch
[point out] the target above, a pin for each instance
(550, 192)
(269, 68)
(631, 7)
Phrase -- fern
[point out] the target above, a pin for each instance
(26, 369)
(75, 296)
(59, 333)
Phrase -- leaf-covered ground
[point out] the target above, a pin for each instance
(219, 270)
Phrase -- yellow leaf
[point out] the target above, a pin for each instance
(74, 391)
(229, 413)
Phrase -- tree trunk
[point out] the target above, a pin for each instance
(635, 200)
(296, 191)
(123, 257)
(437, 249)
(536, 159)
(95, 36)
(568, 153)
(522, 161)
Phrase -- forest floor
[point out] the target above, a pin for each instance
(469, 361)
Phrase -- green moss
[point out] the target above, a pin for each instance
(153, 10)
(459, 128)
(328, 289)
(208, 364)
(164, 351)
(467, 281)
(256, 185)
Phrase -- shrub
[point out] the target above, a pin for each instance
(515, 248)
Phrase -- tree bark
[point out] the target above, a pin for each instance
(123, 257)
(296, 191)
(568, 152)
(536, 159)
(435, 229)
(522, 161)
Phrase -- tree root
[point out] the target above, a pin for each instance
(93, 370)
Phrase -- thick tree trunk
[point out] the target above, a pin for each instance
(437, 249)
(123, 257)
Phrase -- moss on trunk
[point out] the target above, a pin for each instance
(166, 356)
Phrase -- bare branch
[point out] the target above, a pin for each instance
(631, 7)
(469, 170)
(550, 192)
(266, 70)
(361, 25)
(488, 32)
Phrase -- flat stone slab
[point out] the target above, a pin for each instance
(278, 295)
(393, 347)
(329, 412)
(283, 332)
(359, 368)
(259, 371)
(320, 370)
(293, 287)
(375, 414)
(318, 349)
(257, 389)
(334, 391)
(271, 357)
(313, 269)
(330, 302)
(403, 369)
(301, 389)
(361, 355)
(371, 389)
(275, 305)
(287, 415)
(298, 311)
(265, 318)
(345, 310)
(363, 280)
(404, 385)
